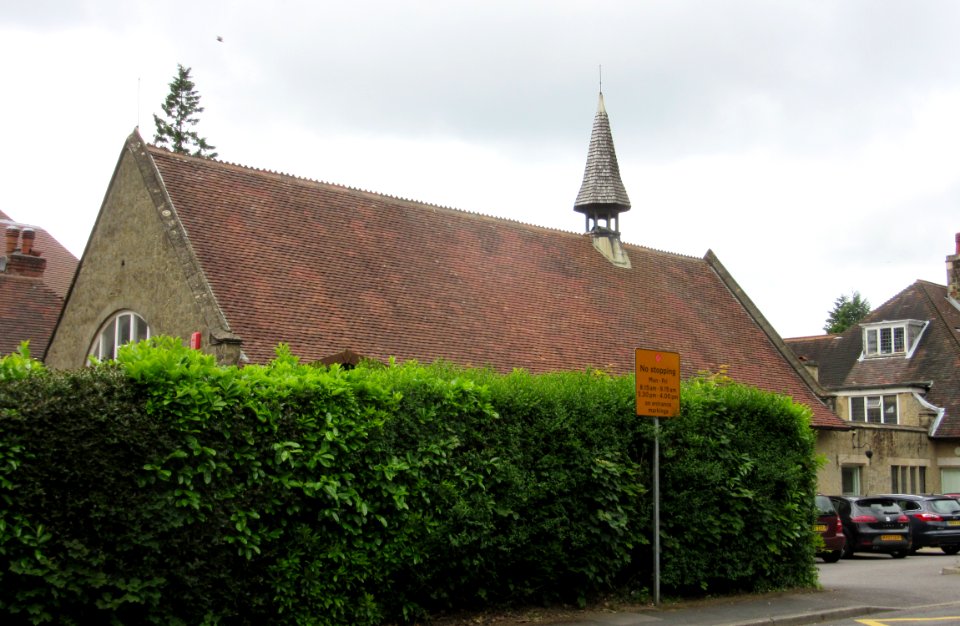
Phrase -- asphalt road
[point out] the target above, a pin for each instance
(880, 580)
(866, 590)
(916, 588)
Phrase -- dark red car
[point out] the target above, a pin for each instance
(830, 528)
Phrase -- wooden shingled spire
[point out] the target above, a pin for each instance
(602, 195)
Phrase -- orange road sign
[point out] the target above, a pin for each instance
(658, 383)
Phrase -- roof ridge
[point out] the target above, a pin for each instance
(656, 250)
(814, 337)
(318, 181)
(426, 204)
(11, 221)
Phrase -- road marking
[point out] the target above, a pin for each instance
(911, 620)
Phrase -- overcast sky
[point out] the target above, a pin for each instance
(814, 146)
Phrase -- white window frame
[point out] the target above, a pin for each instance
(123, 327)
(950, 480)
(855, 473)
(880, 404)
(886, 339)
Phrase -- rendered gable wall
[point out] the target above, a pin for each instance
(129, 263)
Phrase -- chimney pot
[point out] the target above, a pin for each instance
(13, 238)
(957, 238)
(28, 235)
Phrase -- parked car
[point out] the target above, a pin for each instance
(830, 529)
(934, 521)
(873, 524)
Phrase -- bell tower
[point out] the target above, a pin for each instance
(602, 196)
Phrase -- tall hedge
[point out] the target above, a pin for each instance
(738, 478)
(165, 489)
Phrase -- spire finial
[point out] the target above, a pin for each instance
(600, 72)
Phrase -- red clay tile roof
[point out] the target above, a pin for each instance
(28, 312)
(61, 264)
(936, 358)
(325, 269)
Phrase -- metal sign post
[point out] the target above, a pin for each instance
(656, 511)
(658, 395)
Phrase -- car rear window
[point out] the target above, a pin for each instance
(947, 506)
(880, 507)
(825, 507)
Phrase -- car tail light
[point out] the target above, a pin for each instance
(863, 519)
(839, 525)
(928, 517)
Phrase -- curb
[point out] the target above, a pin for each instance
(812, 617)
(795, 619)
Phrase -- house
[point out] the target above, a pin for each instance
(35, 274)
(895, 378)
(238, 260)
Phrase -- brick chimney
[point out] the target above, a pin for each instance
(953, 271)
(23, 262)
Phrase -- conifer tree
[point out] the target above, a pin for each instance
(181, 108)
(846, 312)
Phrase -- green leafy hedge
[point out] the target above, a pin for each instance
(164, 489)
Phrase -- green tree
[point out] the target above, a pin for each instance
(846, 312)
(181, 108)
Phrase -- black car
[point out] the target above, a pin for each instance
(830, 529)
(934, 521)
(873, 524)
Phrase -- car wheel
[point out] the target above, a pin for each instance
(950, 549)
(833, 557)
(899, 554)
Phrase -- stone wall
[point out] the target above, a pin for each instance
(130, 263)
(888, 446)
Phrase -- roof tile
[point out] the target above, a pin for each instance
(326, 268)
(936, 359)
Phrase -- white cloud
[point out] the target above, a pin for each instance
(812, 146)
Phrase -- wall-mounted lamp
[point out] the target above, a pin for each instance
(869, 454)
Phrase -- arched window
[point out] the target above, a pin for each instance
(124, 327)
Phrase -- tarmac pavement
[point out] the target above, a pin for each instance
(836, 601)
(783, 609)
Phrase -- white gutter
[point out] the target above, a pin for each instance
(939, 411)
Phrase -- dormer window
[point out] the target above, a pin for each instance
(874, 409)
(891, 338)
